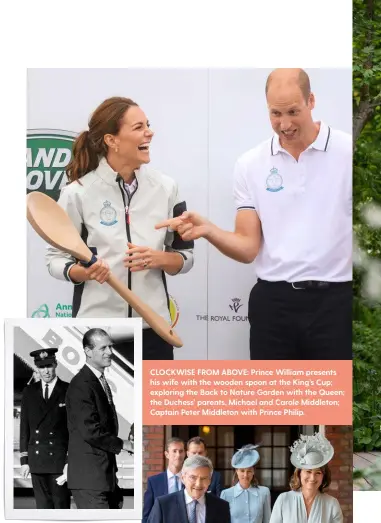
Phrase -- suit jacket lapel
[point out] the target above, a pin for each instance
(54, 395)
(183, 515)
(209, 516)
(91, 377)
(166, 488)
(38, 398)
(115, 416)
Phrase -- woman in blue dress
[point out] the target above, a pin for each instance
(249, 502)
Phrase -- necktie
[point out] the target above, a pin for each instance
(46, 394)
(192, 513)
(107, 389)
(177, 486)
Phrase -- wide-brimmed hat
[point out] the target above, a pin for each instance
(311, 452)
(246, 457)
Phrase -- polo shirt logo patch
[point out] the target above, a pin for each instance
(274, 181)
(107, 214)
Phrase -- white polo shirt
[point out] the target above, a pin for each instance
(305, 207)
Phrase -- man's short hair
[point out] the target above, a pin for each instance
(88, 338)
(303, 82)
(195, 462)
(173, 440)
(197, 440)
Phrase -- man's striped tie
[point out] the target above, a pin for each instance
(107, 389)
(192, 514)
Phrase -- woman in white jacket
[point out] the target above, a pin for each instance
(307, 502)
(115, 200)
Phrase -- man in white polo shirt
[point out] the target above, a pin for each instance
(294, 217)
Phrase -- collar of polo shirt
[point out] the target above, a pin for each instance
(321, 142)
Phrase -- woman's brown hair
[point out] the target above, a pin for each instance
(253, 483)
(296, 484)
(89, 147)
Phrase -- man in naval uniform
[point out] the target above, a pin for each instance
(44, 435)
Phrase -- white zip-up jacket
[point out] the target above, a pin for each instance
(100, 209)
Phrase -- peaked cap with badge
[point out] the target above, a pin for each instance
(44, 357)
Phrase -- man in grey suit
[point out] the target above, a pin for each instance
(193, 504)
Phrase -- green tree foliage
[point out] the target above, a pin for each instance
(366, 190)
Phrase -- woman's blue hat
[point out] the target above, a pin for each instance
(246, 457)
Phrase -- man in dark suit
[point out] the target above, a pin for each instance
(193, 504)
(43, 433)
(197, 446)
(168, 481)
(93, 429)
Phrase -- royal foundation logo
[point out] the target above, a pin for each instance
(234, 306)
(62, 310)
(174, 311)
(47, 156)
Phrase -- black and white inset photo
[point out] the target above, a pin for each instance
(73, 419)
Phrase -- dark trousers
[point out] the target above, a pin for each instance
(48, 494)
(300, 324)
(98, 499)
(154, 347)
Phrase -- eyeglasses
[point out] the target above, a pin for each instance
(193, 478)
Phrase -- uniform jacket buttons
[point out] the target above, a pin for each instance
(50, 453)
(50, 443)
(51, 433)
(36, 451)
(37, 442)
(37, 431)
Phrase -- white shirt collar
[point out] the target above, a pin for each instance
(188, 499)
(321, 142)
(50, 385)
(95, 371)
(170, 475)
(238, 490)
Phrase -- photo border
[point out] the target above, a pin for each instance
(72, 514)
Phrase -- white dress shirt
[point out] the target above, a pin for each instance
(172, 482)
(50, 387)
(200, 508)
